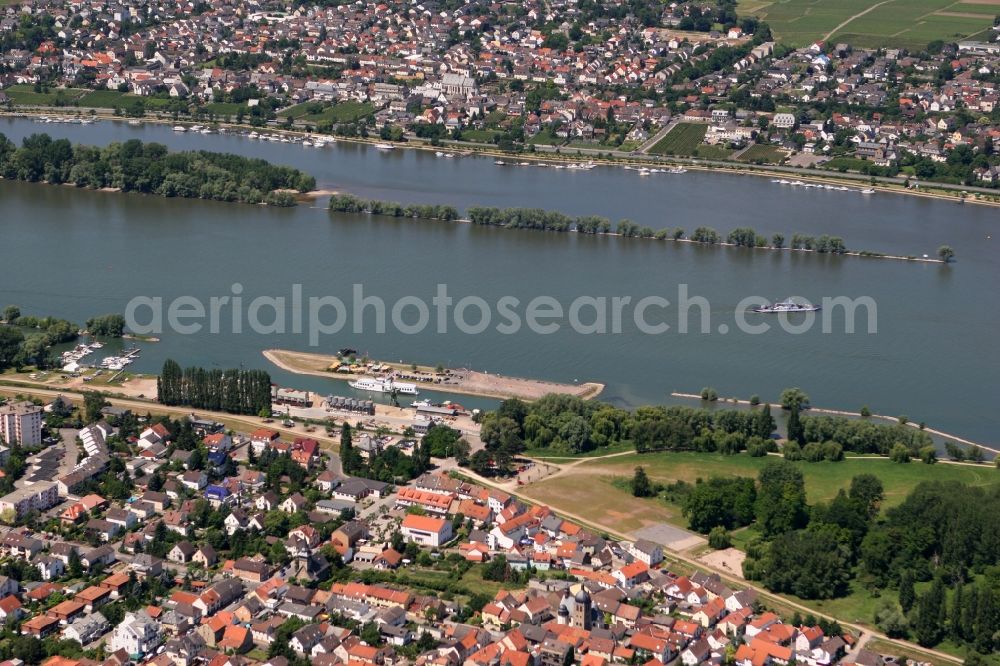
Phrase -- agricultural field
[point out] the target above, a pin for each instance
(683, 139)
(710, 152)
(618, 508)
(23, 93)
(762, 153)
(315, 112)
(908, 24)
(109, 99)
(226, 108)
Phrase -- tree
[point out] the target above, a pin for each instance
(74, 564)
(93, 403)
(781, 498)
(350, 458)
(891, 620)
(946, 254)
(867, 489)
(899, 454)
(641, 486)
(719, 538)
(929, 619)
(480, 462)
(794, 397)
(111, 325)
(461, 450)
(796, 431)
(811, 564)
(11, 313)
(10, 345)
(907, 596)
(720, 502)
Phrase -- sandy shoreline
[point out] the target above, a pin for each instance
(463, 381)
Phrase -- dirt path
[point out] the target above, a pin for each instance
(858, 15)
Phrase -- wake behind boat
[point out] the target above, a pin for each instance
(787, 305)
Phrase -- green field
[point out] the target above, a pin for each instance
(103, 99)
(226, 108)
(109, 99)
(871, 23)
(710, 152)
(762, 153)
(849, 163)
(314, 112)
(683, 139)
(823, 479)
(24, 93)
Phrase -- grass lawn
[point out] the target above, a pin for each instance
(545, 137)
(105, 99)
(226, 108)
(823, 479)
(897, 23)
(618, 508)
(762, 153)
(298, 110)
(480, 136)
(683, 139)
(849, 163)
(342, 112)
(24, 93)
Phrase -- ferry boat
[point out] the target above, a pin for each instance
(787, 305)
(383, 386)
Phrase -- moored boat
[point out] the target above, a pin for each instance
(787, 305)
(376, 385)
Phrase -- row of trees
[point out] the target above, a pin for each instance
(347, 203)
(544, 220)
(110, 325)
(236, 391)
(569, 424)
(149, 168)
(856, 435)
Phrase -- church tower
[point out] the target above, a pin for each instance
(582, 609)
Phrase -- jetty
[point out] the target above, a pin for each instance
(446, 380)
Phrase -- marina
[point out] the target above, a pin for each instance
(72, 359)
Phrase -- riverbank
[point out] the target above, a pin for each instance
(460, 380)
(555, 155)
(841, 412)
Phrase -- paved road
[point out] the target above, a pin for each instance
(655, 139)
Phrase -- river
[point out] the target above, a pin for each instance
(74, 254)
